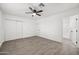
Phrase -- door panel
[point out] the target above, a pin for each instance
(73, 36)
(78, 31)
(25, 29)
(19, 29)
(10, 30)
(66, 28)
(73, 27)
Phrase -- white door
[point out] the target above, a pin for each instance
(66, 28)
(25, 29)
(19, 29)
(73, 29)
(78, 32)
(1, 30)
(10, 30)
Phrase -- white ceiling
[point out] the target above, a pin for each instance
(18, 9)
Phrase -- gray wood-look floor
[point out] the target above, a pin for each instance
(36, 46)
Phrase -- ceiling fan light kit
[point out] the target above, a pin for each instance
(34, 14)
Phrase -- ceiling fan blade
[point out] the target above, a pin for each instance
(39, 11)
(30, 8)
(28, 12)
(38, 14)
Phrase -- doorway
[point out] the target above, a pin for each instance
(70, 28)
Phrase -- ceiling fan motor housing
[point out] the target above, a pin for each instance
(41, 5)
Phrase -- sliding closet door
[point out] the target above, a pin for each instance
(10, 30)
(19, 29)
(1, 29)
(25, 29)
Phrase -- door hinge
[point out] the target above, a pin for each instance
(76, 19)
(76, 42)
(76, 30)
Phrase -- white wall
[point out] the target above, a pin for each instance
(51, 28)
(1, 29)
(17, 27)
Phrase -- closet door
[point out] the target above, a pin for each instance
(78, 31)
(10, 30)
(1, 30)
(25, 29)
(73, 31)
(19, 29)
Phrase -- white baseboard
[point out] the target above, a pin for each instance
(51, 38)
(1, 43)
(20, 38)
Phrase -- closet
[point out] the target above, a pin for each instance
(15, 29)
(12, 30)
(1, 29)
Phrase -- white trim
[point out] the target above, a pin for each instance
(54, 38)
(1, 43)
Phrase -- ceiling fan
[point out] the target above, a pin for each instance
(34, 12)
